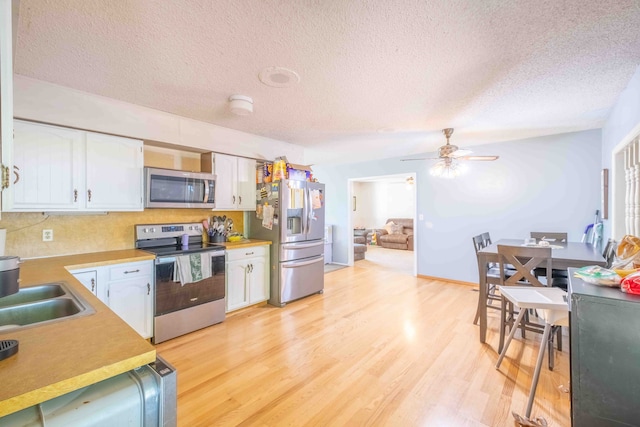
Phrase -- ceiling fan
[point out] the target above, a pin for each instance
(449, 155)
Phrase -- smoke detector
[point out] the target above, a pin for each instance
(241, 105)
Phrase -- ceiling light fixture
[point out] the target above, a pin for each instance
(279, 77)
(447, 168)
(241, 105)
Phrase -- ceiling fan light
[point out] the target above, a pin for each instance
(448, 168)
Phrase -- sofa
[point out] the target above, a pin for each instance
(360, 243)
(396, 234)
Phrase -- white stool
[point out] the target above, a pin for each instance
(552, 307)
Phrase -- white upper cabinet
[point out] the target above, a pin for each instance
(61, 169)
(47, 168)
(225, 168)
(114, 173)
(6, 92)
(246, 184)
(235, 182)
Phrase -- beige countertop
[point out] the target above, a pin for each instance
(246, 243)
(63, 356)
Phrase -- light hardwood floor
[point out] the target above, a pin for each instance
(379, 348)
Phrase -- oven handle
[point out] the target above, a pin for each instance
(172, 259)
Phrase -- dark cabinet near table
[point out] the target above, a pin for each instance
(605, 356)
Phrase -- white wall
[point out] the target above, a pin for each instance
(621, 126)
(366, 201)
(540, 184)
(45, 102)
(379, 200)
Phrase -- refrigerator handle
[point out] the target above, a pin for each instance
(305, 214)
(309, 210)
(294, 264)
(303, 246)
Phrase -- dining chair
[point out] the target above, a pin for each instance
(481, 241)
(551, 306)
(609, 252)
(549, 236)
(555, 273)
(525, 260)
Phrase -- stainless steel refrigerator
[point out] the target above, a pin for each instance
(291, 215)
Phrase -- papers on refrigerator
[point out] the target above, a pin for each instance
(267, 217)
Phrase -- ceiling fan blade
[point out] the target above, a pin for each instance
(422, 158)
(460, 153)
(480, 158)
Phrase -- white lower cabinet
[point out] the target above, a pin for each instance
(247, 273)
(89, 278)
(127, 289)
(132, 300)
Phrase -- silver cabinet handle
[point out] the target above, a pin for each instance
(249, 253)
(148, 288)
(89, 194)
(234, 200)
(15, 168)
(239, 198)
(132, 271)
(93, 285)
(75, 195)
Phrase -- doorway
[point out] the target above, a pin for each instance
(373, 200)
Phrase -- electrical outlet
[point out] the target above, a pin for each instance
(47, 235)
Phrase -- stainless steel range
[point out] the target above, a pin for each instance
(182, 307)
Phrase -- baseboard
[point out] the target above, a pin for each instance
(441, 279)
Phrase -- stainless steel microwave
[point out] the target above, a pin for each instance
(168, 188)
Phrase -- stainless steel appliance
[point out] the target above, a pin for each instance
(145, 396)
(180, 309)
(291, 214)
(168, 188)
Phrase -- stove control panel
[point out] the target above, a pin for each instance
(158, 231)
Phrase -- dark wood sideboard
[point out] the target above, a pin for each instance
(605, 355)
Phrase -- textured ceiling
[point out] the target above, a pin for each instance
(377, 78)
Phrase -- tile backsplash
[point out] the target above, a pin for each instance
(74, 234)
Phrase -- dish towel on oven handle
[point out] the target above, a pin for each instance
(192, 268)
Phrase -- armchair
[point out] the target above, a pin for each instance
(398, 237)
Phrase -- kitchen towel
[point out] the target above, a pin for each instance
(192, 268)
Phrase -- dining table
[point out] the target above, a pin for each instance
(563, 255)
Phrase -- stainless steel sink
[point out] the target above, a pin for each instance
(43, 304)
(34, 293)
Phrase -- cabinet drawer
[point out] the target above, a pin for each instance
(131, 270)
(254, 251)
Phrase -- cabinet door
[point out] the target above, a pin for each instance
(226, 170)
(132, 300)
(6, 93)
(246, 184)
(47, 163)
(237, 295)
(258, 280)
(89, 279)
(114, 171)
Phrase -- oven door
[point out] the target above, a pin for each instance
(172, 296)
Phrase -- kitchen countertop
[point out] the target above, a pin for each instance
(246, 243)
(63, 356)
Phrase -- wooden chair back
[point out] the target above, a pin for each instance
(478, 242)
(524, 260)
(551, 237)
